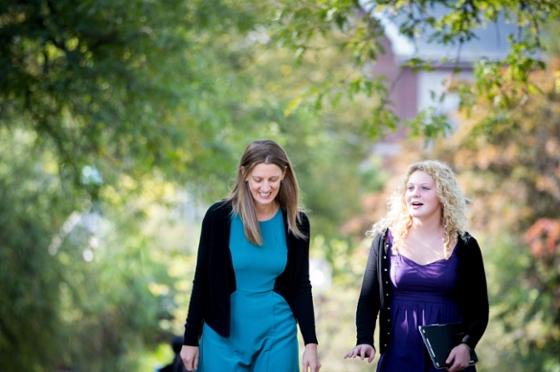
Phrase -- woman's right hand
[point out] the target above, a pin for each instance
(189, 356)
(362, 351)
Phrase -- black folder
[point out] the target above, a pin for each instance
(440, 339)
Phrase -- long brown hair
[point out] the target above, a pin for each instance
(265, 152)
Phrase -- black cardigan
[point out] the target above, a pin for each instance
(376, 293)
(214, 278)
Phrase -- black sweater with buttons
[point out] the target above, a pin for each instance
(376, 294)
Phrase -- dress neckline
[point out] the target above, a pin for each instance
(270, 218)
(429, 263)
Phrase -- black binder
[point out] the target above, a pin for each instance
(440, 339)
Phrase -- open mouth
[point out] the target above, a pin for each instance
(416, 204)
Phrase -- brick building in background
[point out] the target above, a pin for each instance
(410, 91)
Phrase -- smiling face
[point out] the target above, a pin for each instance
(264, 183)
(421, 197)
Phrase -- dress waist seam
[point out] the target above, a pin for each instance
(422, 297)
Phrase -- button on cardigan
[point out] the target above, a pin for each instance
(376, 294)
(214, 278)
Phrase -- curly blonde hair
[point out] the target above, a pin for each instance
(452, 199)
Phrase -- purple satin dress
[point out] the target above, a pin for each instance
(422, 295)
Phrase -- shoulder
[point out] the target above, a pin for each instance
(302, 222)
(469, 247)
(468, 239)
(379, 237)
(302, 218)
(219, 209)
(384, 235)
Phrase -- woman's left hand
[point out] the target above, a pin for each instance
(310, 361)
(458, 358)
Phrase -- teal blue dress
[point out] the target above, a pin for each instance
(263, 334)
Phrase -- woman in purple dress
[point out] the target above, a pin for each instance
(423, 268)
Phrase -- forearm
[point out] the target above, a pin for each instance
(305, 315)
(194, 321)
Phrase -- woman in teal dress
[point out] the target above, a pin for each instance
(251, 286)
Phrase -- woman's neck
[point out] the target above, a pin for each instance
(266, 212)
(424, 242)
(427, 226)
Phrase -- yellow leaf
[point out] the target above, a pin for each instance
(293, 105)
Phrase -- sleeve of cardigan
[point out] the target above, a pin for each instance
(195, 317)
(476, 306)
(368, 302)
(303, 310)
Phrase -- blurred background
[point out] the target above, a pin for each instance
(121, 121)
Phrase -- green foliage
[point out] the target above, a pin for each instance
(122, 280)
(358, 31)
(179, 103)
(125, 86)
(76, 296)
(29, 276)
(80, 76)
(522, 335)
(33, 295)
(430, 124)
(510, 169)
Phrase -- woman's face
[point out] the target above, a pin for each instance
(264, 183)
(421, 197)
